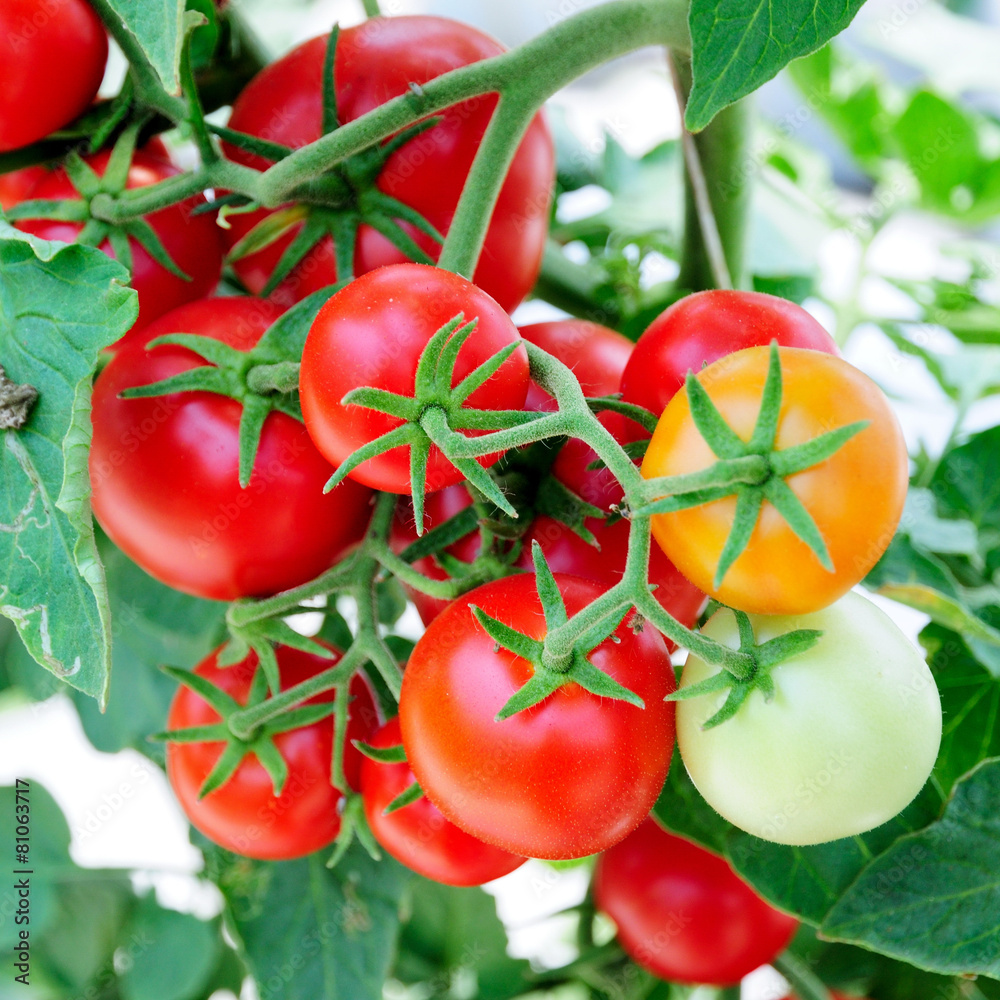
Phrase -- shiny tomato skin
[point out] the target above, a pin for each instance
(706, 326)
(371, 333)
(683, 913)
(417, 835)
(566, 552)
(846, 743)
(375, 62)
(855, 496)
(438, 508)
(53, 56)
(244, 815)
(596, 354)
(191, 241)
(564, 779)
(212, 539)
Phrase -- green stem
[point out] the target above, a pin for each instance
(526, 76)
(805, 984)
(445, 590)
(244, 723)
(280, 377)
(716, 193)
(137, 202)
(371, 8)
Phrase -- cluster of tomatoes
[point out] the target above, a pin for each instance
(839, 748)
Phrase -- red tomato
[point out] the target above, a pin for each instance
(164, 471)
(371, 333)
(376, 61)
(567, 552)
(418, 835)
(53, 53)
(705, 326)
(596, 354)
(191, 241)
(16, 186)
(244, 815)
(438, 508)
(564, 779)
(683, 913)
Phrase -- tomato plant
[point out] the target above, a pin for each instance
(215, 539)
(683, 913)
(372, 333)
(417, 834)
(855, 497)
(514, 783)
(190, 241)
(845, 742)
(53, 57)
(245, 815)
(287, 473)
(375, 62)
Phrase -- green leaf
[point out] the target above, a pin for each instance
(970, 704)
(942, 609)
(59, 306)
(966, 484)
(318, 932)
(157, 25)
(933, 898)
(454, 935)
(152, 624)
(179, 953)
(737, 46)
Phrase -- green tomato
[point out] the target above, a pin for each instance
(846, 742)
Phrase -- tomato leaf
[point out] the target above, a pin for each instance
(932, 898)
(61, 306)
(316, 931)
(157, 25)
(736, 46)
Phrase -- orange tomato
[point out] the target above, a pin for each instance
(855, 496)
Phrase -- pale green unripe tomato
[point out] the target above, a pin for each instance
(847, 741)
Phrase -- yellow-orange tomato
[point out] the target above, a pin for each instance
(855, 496)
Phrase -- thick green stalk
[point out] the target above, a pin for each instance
(716, 194)
(526, 75)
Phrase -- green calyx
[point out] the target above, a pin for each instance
(391, 755)
(552, 672)
(336, 203)
(264, 379)
(433, 415)
(260, 742)
(753, 471)
(752, 671)
(97, 196)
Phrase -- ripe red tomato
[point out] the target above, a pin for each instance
(564, 779)
(164, 471)
(438, 508)
(244, 815)
(53, 55)
(855, 496)
(17, 185)
(683, 913)
(566, 552)
(596, 354)
(705, 326)
(418, 835)
(371, 333)
(376, 61)
(191, 241)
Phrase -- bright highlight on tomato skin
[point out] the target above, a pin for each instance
(845, 744)
(372, 333)
(855, 496)
(564, 779)
(683, 913)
